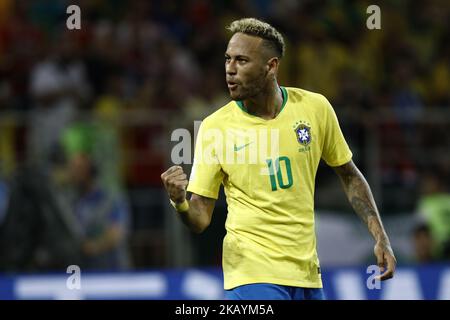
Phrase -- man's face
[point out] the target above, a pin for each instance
(245, 66)
(80, 169)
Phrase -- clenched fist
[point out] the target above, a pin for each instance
(175, 182)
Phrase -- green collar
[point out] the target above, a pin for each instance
(283, 92)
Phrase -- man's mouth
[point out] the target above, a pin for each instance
(232, 85)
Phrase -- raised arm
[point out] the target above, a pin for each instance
(196, 213)
(360, 196)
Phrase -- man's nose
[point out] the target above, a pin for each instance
(230, 68)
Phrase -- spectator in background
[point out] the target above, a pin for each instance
(102, 215)
(319, 53)
(423, 244)
(58, 87)
(4, 196)
(8, 135)
(434, 209)
(37, 232)
(108, 112)
(407, 102)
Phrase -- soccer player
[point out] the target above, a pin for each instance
(269, 251)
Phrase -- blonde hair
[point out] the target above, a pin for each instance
(258, 28)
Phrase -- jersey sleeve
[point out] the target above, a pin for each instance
(206, 174)
(336, 151)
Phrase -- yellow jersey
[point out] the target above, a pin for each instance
(268, 169)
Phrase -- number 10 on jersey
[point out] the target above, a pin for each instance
(276, 175)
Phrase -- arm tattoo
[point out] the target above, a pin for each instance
(362, 208)
(358, 193)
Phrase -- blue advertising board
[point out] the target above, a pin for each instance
(430, 282)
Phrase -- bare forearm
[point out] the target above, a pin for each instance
(199, 215)
(360, 197)
(194, 218)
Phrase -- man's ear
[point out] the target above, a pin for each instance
(272, 65)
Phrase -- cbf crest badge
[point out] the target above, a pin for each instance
(303, 133)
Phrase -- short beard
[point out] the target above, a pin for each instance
(255, 87)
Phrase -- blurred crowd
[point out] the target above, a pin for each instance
(89, 112)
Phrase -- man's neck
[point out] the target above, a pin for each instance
(266, 105)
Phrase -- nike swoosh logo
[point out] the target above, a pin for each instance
(241, 147)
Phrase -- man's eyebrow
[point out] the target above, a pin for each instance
(237, 56)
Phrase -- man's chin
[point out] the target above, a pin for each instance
(235, 96)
